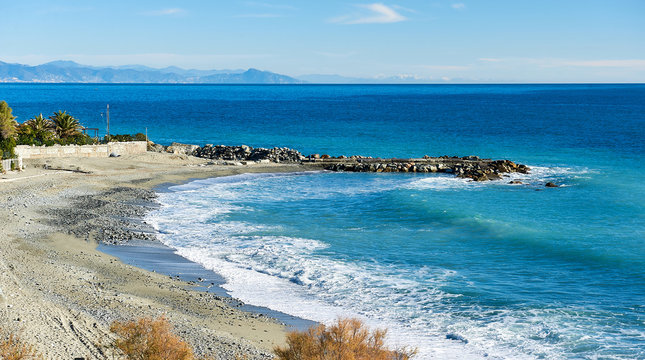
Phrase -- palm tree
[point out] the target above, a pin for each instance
(38, 128)
(65, 124)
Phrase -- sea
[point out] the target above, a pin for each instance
(457, 269)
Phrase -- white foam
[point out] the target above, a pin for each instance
(293, 275)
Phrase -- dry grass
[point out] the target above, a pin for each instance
(12, 348)
(148, 339)
(347, 339)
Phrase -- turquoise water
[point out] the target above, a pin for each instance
(517, 271)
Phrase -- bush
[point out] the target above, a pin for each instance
(126, 137)
(77, 139)
(12, 348)
(148, 339)
(7, 147)
(347, 339)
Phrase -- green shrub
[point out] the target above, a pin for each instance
(7, 147)
(7, 131)
(126, 137)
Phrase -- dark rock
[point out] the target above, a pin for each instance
(456, 337)
(551, 185)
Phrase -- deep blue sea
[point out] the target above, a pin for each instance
(461, 270)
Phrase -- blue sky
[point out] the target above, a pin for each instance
(464, 40)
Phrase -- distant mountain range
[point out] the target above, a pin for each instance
(61, 71)
(71, 72)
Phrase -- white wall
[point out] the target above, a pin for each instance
(58, 151)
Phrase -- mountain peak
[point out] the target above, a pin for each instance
(64, 64)
(65, 71)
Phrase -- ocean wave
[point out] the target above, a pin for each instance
(538, 176)
(299, 276)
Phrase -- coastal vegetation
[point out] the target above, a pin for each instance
(7, 131)
(126, 137)
(13, 348)
(150, 339)
(347, 339)
(61, 128)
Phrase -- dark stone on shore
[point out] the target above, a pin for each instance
(156, 147)
(456, 337)
(517, 182)
(551, 185)
(247, 153)
(470, 167)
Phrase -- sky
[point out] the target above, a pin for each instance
(434, 41)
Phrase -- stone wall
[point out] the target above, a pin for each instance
(6, 164)
(58, 151)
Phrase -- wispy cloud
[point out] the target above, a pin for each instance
(445, 67)
(159, 60)
(554, 62)
(259, 16)
(490, 60)
(335, 55)
(376, 13)
(165, 12)
(458, 6)
(632, 63)
(268, 5)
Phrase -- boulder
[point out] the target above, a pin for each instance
(551, 185)
(181, 149)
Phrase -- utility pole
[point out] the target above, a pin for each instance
(108, 122)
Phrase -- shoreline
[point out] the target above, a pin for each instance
(159, 258)
(61, 292)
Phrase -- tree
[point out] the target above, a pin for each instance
(65, 125)
(7, 122)
(7, 131)
(36, 131)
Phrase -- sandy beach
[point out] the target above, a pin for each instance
(61, 294)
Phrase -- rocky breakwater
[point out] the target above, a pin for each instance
(247, 153)
(471, 167)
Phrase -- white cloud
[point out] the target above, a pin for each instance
(159, 60)
(445, 67)
(259, 16)
(268, 5)
(634, 63)
(376, 13)
(458, 6)
(335, 55)
(166, 12)
(555, 62)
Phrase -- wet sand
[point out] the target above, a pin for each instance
(61, 293)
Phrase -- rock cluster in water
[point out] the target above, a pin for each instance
(466, 167)
(471, 167)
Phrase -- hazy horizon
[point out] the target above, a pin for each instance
(442, 41)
